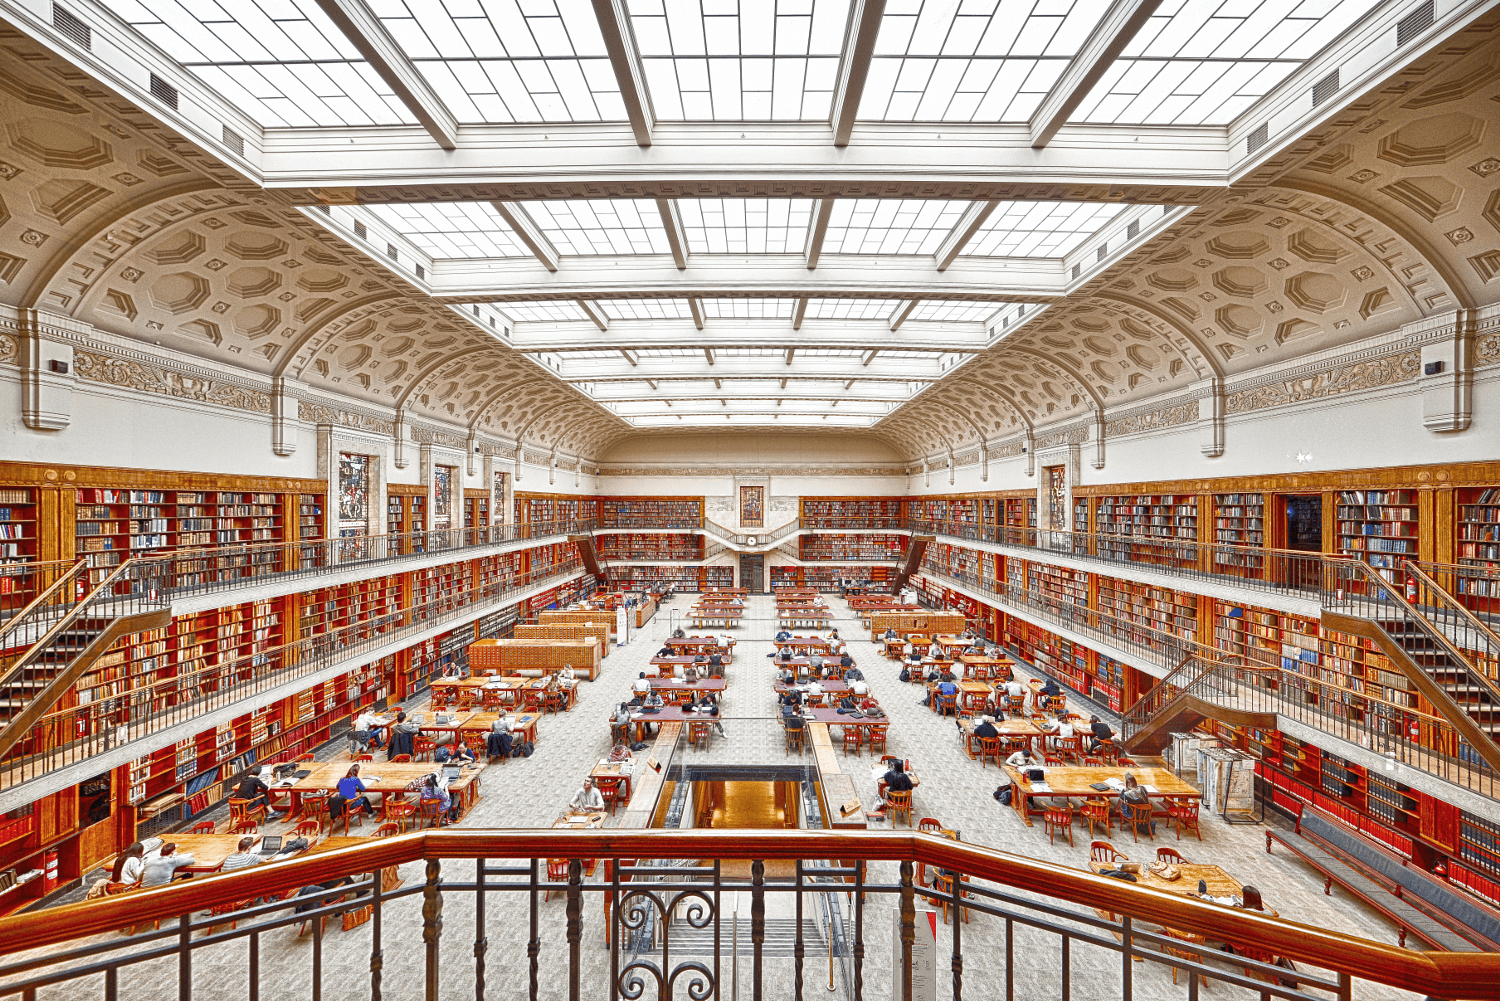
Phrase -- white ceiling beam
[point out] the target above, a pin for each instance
(594, 312)
(790, 354)
(696, 306)
(629, 356)
(899, 317)
(869, 357)
(800, 312)
(854, 66)
(625, 59)
(527, 232)
(973, 219)
(365, 32)
(671, 221)
(816, 232)
(1114, 31)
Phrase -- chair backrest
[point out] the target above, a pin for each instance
(203, 827)
(401, 759)
(386, 830)
(929, 824)
(1169, 855)
(307, 756)
(306, 827)
(364, 757)
(245, 827)
(900, 799)
(237, 808)
(1135, 812)
(557, 869)
(1103, 851)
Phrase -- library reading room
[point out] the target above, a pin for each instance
(736, 426)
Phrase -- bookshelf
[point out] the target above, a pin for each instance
(863, 546)
(1162, 516)
(1059, 583)
(653, 512)
(1107, 682)
(1268, 638)
(1377, 526)
(309, 516)
(476, 512)
(1020, 512)
(655, 546)
(851, 512)
(1239, 520)
(1081, 516)
(18, 525)
(1062, 659)
(826, 578)
(1161, 609)
(680, 578)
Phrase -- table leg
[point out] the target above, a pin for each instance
(1019, 800)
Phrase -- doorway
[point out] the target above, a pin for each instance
(753, 572)
(1304, 523)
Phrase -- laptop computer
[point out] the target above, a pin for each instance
(270, 844)
(451, 774)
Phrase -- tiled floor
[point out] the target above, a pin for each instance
(532, 792)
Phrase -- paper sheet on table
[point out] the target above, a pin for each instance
(1039, 786)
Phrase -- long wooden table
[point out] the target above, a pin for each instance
(668, 714)
(523, 724)
(805, 643)
(727, 617)
(833, 716)
(1220, 883)
(985, 668)
(1075, 782)
(1010, 729)
(208, 850)
(705, 645)
(665, 685)
(830, 687)
(385, 777)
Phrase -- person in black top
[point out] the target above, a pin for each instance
(846, 661)
(1102, 734)
(790, 700)
(852, 673)
(1049, 688)
(896, 780)
(665, 651)
(251, 788)
(986, 728)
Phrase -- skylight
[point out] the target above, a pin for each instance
(1202, 62)
(508, 60)
(953, 311)
(281, 62)
(536, 312)
(752, 60)
(850, 309)
(890, 225)
(748, 309)
(596, 226)
(452, 229)
(1039, 229)
(645, 309)
(975, 61)
(745, 225)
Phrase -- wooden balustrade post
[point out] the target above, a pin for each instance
(859, 930)
(534, 943)
(757, 923)
(958, 926)
(575, 929)
(481, 940)
(908, 927)
(432, 924)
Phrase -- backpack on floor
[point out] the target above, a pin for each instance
(1002, 795)
(526, 748)
(905, 675)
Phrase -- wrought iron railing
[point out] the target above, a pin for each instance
(640, 926)
(107, 719)
(35, 589)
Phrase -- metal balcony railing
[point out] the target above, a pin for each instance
(685, 913)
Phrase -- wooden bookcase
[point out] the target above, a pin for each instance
(1239, 520)
(1161, 609)
(476, 509)
(861, 546)
(1058, 583)
(651, 512)
(1162, 516)
(19, 525)
(840, 512)
(650, 546)
(1378, 526)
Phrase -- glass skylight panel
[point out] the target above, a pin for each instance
(538, 312)
(953, 311)
(745, 225)
(646, 309)
(1202, 62)
(509, 60)
(281, 62)
(850, 309)
(890, 225)
(748, 309)
(974, 60)
(740, 60)
(594, 226)
(1039, 229)
(452, 229)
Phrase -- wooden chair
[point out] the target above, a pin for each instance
(557, 872)
(1189, 938)
(315, 809)
(1066, 747)
(989, 747)
(1136, 816)
(1048, 758)
(441, 697)
(555, 701)
(387, 829)
(947, 705)
(224, 909)
(422, 748)
(853, 738)
(242, 810)
(1171, 855)
(431, 810)
(1184, 813)
(356, 916)
(930, 825)
(1097, 813)
(1015, 705)
(401, 759)
(609, 789)
(490, 700)
(898, 803)
(794, 736)
(244, 827)
(698, 734)
(309, 829)
(364, 757)
(353, 810)
(876, 739)
(203, 827)
(1103, 851)
(1088, 761)
(306, 757)
(942, 895)
(399, 812)
(1059, 817)
(1124, 762)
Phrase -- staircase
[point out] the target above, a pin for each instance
(588, 554)
(912, 561)
(57, 638)
(1191, 693)
(1430, 638)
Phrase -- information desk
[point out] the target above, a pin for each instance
(1076, 782)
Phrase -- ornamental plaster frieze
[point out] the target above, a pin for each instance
(312, 412)
(1313, 383)
(96, 366)
(690, 470)
(1144, 420)
(425, 434)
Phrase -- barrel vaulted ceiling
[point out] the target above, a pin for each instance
(943, 223)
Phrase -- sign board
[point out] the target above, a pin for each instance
(923, 956)
(622, 626)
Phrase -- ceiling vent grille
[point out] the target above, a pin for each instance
(324, 208)
(163, 92)
(1133, 230)
(1077, 269)
(234, 141)
(1103, 250)
(1414, 24)
(1258, 137)
(421, 271)
(71, 27)
(1325, 88)
(359, 229)
(390, 251)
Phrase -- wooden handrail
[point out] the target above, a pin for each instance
(65, 578)
(1467, 975)
(1474, 622)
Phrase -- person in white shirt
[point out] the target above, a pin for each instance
(641, 685)
(1014, 689)
(159, 869)
(1060, 727)
(813, 688)
(128, 864)
(1021, 759)
(859, 688)
(364, 735)
(588, 798)
(242, 859)
(566, 678)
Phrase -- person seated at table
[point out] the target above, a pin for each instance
(851, 673)
(253, 789)
(814, 689)
(243, 858)
(1049, 688)
(678, 634)
(641, 687)
(913, 658)
(497, 742)
(666, 651)
(814, 662)
(890, 634)
(785, 655)
(707, 704)
(783, 634)
(159, 869)
(1061, 726)
(986, 727)
(458, 754)
(363, 736)
(432, 789)
(943, 688)
(716, 659)
(1014, 689)
(736, 600)
(129, 864)
(848, 702)
(588, 799)
(688, 673)
(1135, 794)
(790, 700)
(567, 677)
(896, 779)
(1102, 734)
(620, 752)
(352, 788)
(858, 685)
(1022, 759)
(846, 662)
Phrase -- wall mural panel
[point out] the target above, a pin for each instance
(752, 507)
